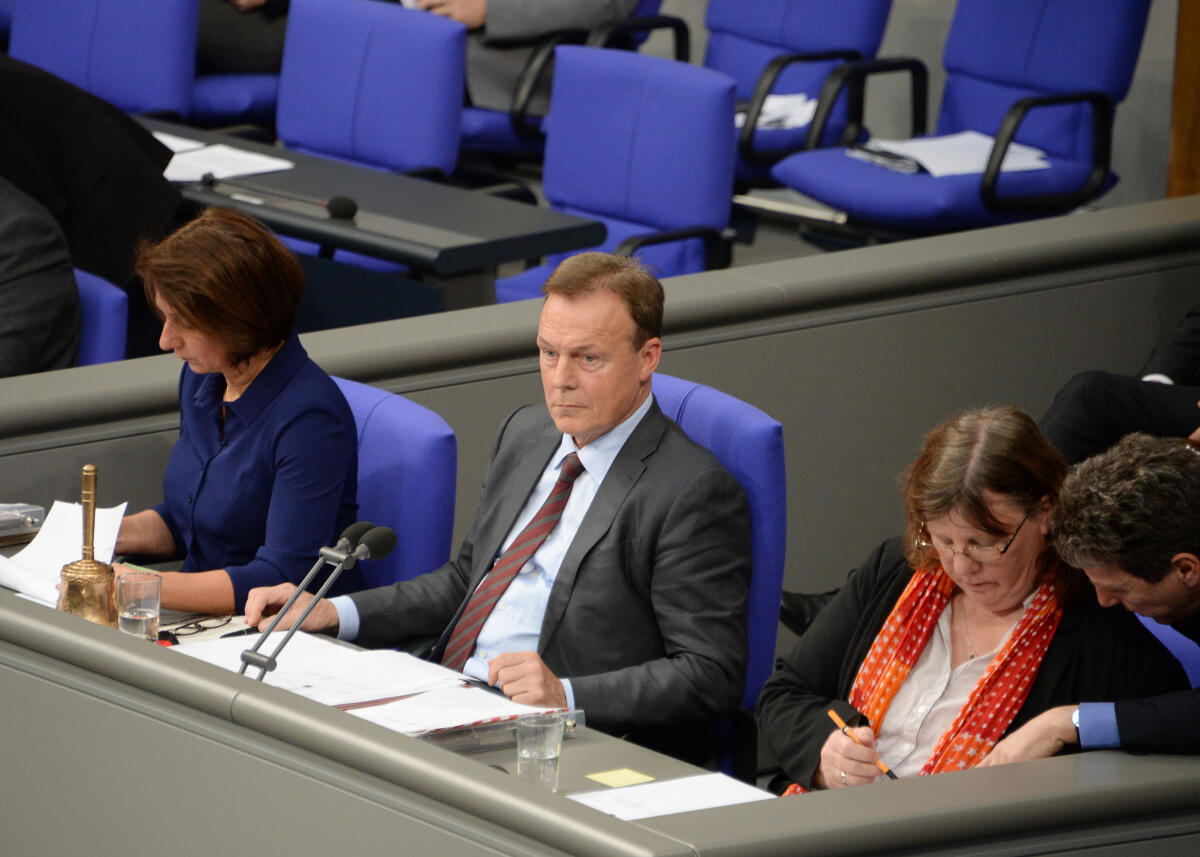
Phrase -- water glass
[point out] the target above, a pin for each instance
(539, 741)
(139, 597)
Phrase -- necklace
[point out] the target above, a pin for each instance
(967, 631)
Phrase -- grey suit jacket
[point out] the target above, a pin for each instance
(647, 616)
(497, 53)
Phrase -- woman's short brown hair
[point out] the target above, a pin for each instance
(226, 275)
(995, 450)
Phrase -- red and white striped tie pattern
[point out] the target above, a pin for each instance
(524, 546)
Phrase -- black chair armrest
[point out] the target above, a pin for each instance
(766, 82)
(606, 36)
(853, 75)
(718, 243)
(1102, 119)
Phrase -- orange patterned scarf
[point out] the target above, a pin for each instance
(997, 696)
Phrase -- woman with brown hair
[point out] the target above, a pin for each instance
(942, 642)
(264, 473)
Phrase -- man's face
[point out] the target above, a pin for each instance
(1168, 600)
(592, 375)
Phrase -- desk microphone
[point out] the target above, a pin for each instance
(362, 540)
(338, 207)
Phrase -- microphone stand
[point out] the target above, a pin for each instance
(340, 560)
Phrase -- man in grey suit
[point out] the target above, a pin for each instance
(498, 45)
(634, 607)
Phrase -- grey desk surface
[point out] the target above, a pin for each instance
(432, 227)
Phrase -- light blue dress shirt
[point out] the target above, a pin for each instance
(516, 621)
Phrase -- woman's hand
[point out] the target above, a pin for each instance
(1043, 736)
(845, 763)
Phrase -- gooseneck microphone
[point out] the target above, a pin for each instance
(337, 207)
(362, 540)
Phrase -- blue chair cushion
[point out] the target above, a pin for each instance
(917, 203)
(218, 98)
(491, 131)
(104, 319)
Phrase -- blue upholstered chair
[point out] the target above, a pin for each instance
(139, 56)
(372, 84)
(1185, 650)
(514, 132)
(788, 47)
(750, 445)
(642, 144)
(104, 319)
(6, 7)
(407, 469)
(1046, 73)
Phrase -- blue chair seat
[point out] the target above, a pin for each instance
(921, 202)
(104, 319)
(222, 98)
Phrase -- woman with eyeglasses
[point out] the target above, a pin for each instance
(943, 641)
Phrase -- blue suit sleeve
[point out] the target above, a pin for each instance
(313, 455)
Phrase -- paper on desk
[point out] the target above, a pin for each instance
(222, 161)
(176, 143)
(37, 568)
(782, 111)
(667, 797)
(446, 708)
(960, 154)
(317, 667)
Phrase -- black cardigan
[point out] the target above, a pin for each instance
(1169, 723)
(1096, 654)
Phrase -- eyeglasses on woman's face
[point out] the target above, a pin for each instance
(978, 553)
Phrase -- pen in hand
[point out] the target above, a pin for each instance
(841, 724)
(242, 632)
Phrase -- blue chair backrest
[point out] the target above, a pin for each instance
(1185, 650)
(372, 82)
(741, 44)
(104, 319)
(750, 445)
(997, 53)
(407, 470)
(640, 139)
(137, 55)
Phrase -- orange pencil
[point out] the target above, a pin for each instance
(841, 724)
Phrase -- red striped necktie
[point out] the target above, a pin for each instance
(523, 547)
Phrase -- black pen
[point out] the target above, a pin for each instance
(249, 629)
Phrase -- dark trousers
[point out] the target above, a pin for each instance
(1096, 409)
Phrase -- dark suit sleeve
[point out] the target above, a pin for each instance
(818, 673)
(1179, 357)
(699, 584)
(1169, 723)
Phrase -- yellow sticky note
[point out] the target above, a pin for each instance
(619, 777)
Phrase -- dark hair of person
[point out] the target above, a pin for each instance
(1133, 506)
(226, 275)
(995, 450)
(642, 294)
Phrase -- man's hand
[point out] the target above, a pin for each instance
(470, 13)
(845, 763)
(525, 678)
(264, 602)
(1044, 735)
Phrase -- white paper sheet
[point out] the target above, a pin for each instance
(445, 708)
(960, 154)
(782, 111)
(223, 162)
(667, 797)
(37, 568)
(317, 667)
(176, 143)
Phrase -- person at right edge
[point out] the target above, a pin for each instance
(1130, 518)
(943, 642)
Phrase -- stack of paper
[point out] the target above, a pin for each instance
(321, 669)
(954, 154)
(446, 708)
(685, 794)
(782, 111)
(36, 569)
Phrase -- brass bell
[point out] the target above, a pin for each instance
(88, 586)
